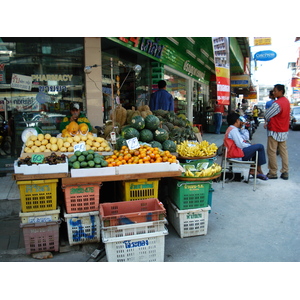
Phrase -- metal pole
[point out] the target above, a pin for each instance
(112, 91)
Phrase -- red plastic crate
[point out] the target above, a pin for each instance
(130, 212)
(39, 237)
(82, 197)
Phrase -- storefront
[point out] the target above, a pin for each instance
(185, 63)
(39, 74)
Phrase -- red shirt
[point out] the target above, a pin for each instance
(219, 108)
(280, 122)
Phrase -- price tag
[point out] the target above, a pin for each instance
(80, 147)
(133, 143)
(37, 158)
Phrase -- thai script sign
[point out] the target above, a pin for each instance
(21, 82)
(261, 41)
(142, 243)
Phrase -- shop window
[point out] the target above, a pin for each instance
(177, 87)
(40, 75)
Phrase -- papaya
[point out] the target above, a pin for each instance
(73, 127)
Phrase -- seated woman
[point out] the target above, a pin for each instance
(238, 148)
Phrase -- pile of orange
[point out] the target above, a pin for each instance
(143, 155)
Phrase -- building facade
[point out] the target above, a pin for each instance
(47, 74)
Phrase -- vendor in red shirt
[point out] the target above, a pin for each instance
(219, 109)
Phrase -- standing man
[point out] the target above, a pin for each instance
(218, 116)
(277, 119)
(272, 99)
(161, 99)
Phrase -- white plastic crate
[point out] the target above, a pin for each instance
(136, 248)
(40, 216)
(132, 229)
(83, 227)
(188, 222)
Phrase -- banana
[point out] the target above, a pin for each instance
(195, 149)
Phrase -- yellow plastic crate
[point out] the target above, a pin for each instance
(140, 189)
(38, 195)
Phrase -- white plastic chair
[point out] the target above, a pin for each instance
(229, 163)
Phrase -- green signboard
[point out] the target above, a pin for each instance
(190, 56)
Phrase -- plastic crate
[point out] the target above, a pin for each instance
(136, 248)
(81, 197)
(37, 195)
(39, 237)
(130, 212)
(139, 189)
(134, 229)
(190, 222)
(83, 227)
(189, 194)
(40, 216)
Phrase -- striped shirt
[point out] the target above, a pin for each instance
(271, 112)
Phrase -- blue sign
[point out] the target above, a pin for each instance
(265, 55)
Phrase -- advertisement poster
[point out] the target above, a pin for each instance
(222, 65)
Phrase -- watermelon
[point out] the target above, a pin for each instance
(129, 133)
(169, 145)
(137, 122)
(160, 135)
(156, 144)
(146, 135)
(152, 122)
(120, 142)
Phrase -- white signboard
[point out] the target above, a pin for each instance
(21, 82)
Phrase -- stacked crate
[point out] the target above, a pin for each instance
(39, 215)
(189, 206)
(139, 189)
(134, 231)
(82, 213)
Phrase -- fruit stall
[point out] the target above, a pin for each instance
(62, 183)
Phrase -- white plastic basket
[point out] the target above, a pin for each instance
(40, 216)
(132, 229)
(83, 227)
(188, 222)
(136, 248)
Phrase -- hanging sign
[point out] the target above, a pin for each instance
(222, 66)
(262, 41)
(265, 55)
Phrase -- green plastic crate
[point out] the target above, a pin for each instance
(189, 194)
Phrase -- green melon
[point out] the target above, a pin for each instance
(152, 122)
(169, 145)
(146, 135)
(129, 133)
(120, 142)
(137, 122)
(160, 135)
(156, 144)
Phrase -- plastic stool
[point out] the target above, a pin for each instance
(199, 127)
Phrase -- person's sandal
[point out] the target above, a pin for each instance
(262, 176)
